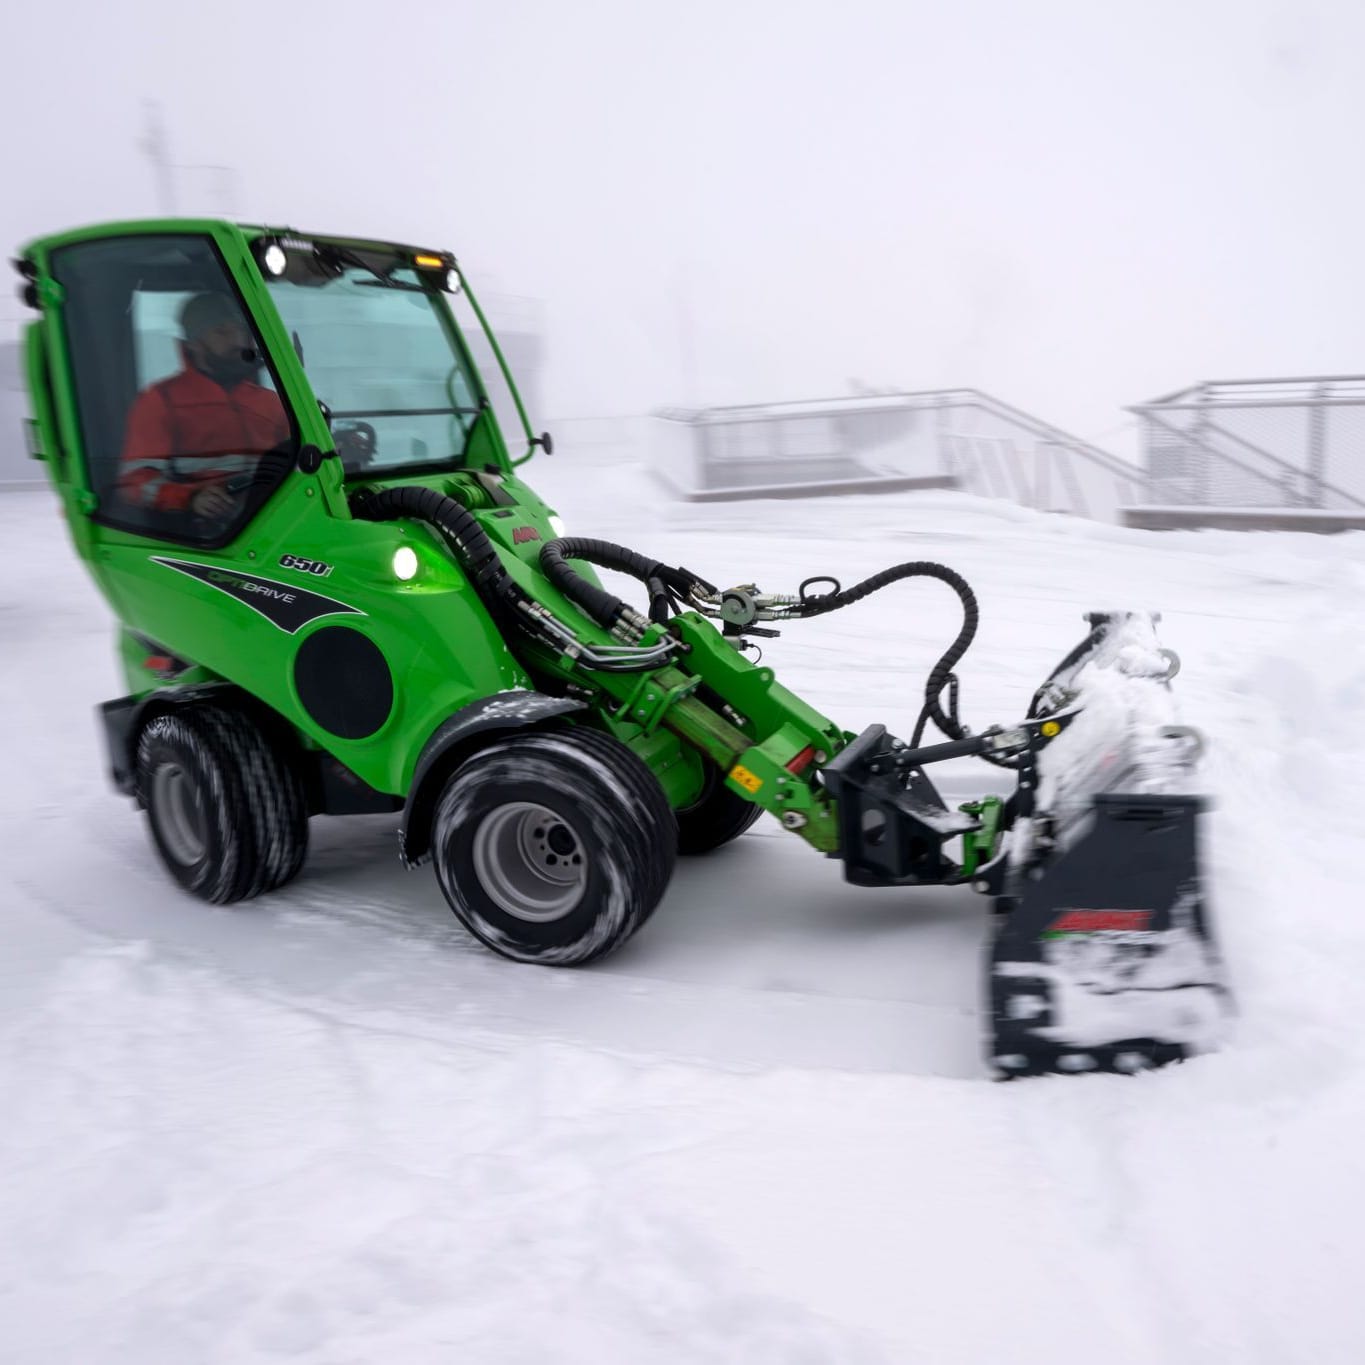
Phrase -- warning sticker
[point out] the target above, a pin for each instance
(739, 773)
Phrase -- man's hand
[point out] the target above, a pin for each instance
(213, 500)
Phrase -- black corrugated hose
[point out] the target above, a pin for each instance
(603, 607)
(665, 582)
(498, 590)
(1099, 629)
(477, 555)
(502, 594)
(941, 676)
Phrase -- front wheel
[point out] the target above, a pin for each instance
(554, 846)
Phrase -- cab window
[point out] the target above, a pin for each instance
(183, 429)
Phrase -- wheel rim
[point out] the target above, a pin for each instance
(530, 861)
(180, 813)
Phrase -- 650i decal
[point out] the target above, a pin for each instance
(282, 604)
(318, 567)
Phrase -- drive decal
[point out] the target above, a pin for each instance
(282, 604)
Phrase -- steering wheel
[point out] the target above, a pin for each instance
(356, 443)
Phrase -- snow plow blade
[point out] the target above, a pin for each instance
(1104, 957)
(1107, 962)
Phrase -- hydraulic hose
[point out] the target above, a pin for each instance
(663, 582)
(504, 597)
(608, 610)
(941, 675)
(509, 604)
(1099, 629)
(476, 554)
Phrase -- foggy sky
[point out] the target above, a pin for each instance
(1072, 205)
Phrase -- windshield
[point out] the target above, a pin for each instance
(398, 392)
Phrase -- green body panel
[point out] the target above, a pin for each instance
(710, 705)
(441, 647)
(979, 846)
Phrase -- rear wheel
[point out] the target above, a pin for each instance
(553, 846)
(226, 809)
(715, 817)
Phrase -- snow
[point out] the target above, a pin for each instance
(1298, 513)
(328, 1127)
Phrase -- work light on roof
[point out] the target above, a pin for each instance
(274, 260)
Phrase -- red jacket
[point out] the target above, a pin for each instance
(188, 431)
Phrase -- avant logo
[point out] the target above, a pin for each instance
(1097, 921)
(522, 534)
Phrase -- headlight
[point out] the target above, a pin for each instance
(453, 281)
(405, 563)
(274, 260)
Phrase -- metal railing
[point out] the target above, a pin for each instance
(1013, 454)
(1275, 444)
(958, 438)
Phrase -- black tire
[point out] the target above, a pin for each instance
(275, 797)
(553, 846)
(715, 817)
(226, 810)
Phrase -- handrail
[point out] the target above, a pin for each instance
(1206, 392)
(1284, 465)
(1284, 402)
(1040, 428)
(1187, 438)
(938, 399)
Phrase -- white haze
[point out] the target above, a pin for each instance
(1073, 205)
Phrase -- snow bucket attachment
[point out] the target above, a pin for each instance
(1106, 961)
(1104, 957)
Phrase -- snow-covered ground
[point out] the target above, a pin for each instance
(327, 1127)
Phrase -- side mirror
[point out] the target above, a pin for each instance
(545, 441)
(28, 291)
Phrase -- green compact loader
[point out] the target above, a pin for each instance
(337, 595)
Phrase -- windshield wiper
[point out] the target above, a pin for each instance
(400, 412)
(329, 252)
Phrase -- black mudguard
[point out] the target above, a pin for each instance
(122, 719)
(1104, 957)
(453, 741)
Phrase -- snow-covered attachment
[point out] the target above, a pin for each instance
(1104, 957)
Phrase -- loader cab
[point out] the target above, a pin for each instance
(336, 344)
(161, 411)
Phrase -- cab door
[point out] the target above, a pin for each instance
(185, 442)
